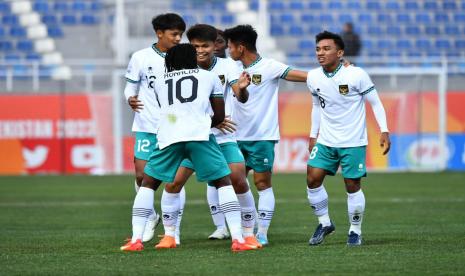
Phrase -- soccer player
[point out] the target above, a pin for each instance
(220, 45)
(141, 73)
(234, 85)
(257, 119)
(186, 96)
(338, 134)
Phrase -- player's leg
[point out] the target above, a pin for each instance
(323, 160)
(175, 196)
(211, 166)
(144, 145)
(221, 231)
(353, 168)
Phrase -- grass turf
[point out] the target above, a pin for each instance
(414, 224)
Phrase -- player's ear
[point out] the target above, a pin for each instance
(159, 33)
(340, 53)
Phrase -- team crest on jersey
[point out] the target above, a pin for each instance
(222, 79)
(256, 79)
(344, 89)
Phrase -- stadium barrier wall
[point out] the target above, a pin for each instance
(73, 133)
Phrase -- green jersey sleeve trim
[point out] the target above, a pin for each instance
(216, 96)
(284, 75)
(233, 82)
(368, 90)
(131, 81)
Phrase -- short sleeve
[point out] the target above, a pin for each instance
(309, 84)
(217, 91)
(366, 85)
(133, 70)
(278, 69)
(233, 71)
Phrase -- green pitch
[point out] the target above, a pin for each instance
(414, 224)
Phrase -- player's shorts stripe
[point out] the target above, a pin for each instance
(284, 75)
(368, 90)
(131, 81)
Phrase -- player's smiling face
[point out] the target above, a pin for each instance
(328, 53)
(167, 39)
(205, 50)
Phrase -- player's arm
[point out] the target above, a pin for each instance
(296, 76)
(130, 92)
(316, 117)
(239, 87)
(372, 97)
(217, 104)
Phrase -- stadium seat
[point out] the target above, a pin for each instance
(78, 6)
(90, 19)
(5, 7)
(287, 18)
(393, 6)
(326, 18)
(441, 17)
(96, 6)
(367, 44)
(296, 30)
(315, 6)
(442, 44)
(190, 19)
(209, 19)
(10, 19)
(60, 6)
(307, 18)
(393, 30)
(460, 44)
(449, 5)
(277, 30)
(18, 32)
(459, 18)
(55, 31)
(412, 30)
(403, 18)
(344, 17)
(432, 30)
(430, 5)
(403, 44)
(384, 44)
(365, 18)
(296, 5)
(409, 5)
(451, 53)
(414, 54)
(253, 5)
(313, 30)
(373, 5)
(422, 18)
(227, 19)
(423, 44)
(5, 46)
(335, 5)
(374, 30)
(384, 18)
(451, 30)
(2, 32)
(41, 6)
(33, 57)
(354, 5)
(306, 44)
(25, 46)
(12, 57)
(394, 53)
(49, 19)
(375, 54)
(433, 53)
(276, 5)
(68, 19)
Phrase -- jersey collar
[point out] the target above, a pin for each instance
(155, 48)
(215, 60)
(332, 74)
(255, 62)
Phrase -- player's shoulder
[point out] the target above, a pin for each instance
(141, 53)
(315, 72)
(355, 71)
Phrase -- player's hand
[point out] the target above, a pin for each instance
(227, 125)
(244, 80)
(311, 143)
(385, 142)
(135, 104)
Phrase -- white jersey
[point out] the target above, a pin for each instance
(144, 67)
(257, 119)
(342, 105)
(228, 72)
(184, 99)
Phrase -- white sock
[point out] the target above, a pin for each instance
(318, 199)
(231, 209)
(182, 202)
(356, 208)
(141, 210)
(213, 203)
(248, 211)
(136, 187)
(170, 211)
(154, 212)
(266, 204)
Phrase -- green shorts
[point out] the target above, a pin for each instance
(258, 155)
(231, 153)
(205, 155)
(352, 160)
(144, 145)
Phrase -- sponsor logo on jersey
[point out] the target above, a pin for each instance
(222, 79)
(256, 79)
(344, 89)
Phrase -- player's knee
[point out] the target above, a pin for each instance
(352, 186)
(240, 185)
(139, 178)
(222, 182)
(174, 187)
(313, 182)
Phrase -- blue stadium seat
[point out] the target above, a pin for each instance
(451, 30)
(384, 44)
(276, 30)
(335, 5)
(25, 46)
(441, 17)
(432, 30)
(414, 54)
(409, 5)
(422, 18)
(5, 7)
(49, 19)
(12, 57)
(78, 6)
(33, 57)
(443, 44)
(345, 18)
(374, 30)
(219, 5)
(18, 32)
(394, 53)
(375, 54)
(253, 5)
(41, 6)
(296, 30)
(412, 30)
(431, 5)
(10, 19)
(295, 54)
(296, 5)
(433, 53)
(209, 19)
(373, 5)
(393, 30)
(306, 44)
(354, 5)
(190, 19)
(365, 18)
(423, 44)
(459, 17)
(449, 5)
(403, 44)
(393, 6)
(286, 18)
(460, 44)
(314, 29)
(90, 19)
(403, 18)
(2, 32)
(367, 44)
(55, 31)
(5, 46)
(384, 18)
(315, 6)
(96, 6)
(227, 19)
(69, 19)
(60, 6)
(276, 5)
(180, 5)
(326, 18)
(307, 18)
(451, 53)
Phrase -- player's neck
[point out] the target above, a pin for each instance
(161, 48)
(206, 64)
(249, 58)
(331, 68)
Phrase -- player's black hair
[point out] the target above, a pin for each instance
(329, 35)
(202, 32)
(220, 32)
(181, 56)
(242, 34)
(168, 21)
